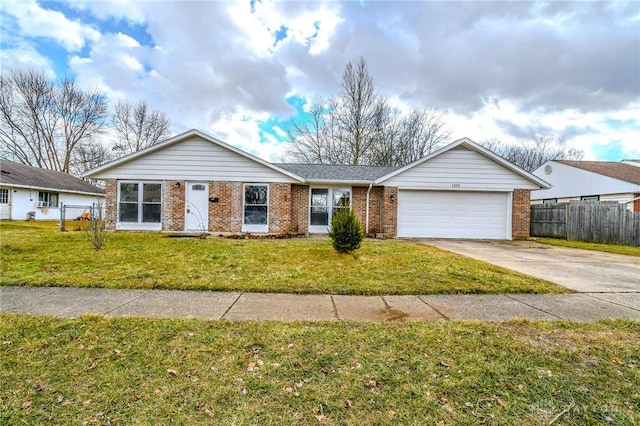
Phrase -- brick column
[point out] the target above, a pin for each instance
(236, 202)
(173, 197)
(280, 201)
(389, 211)
(521, 213)
(299, 208)
(220, 212)
(359, 204)
(636, 203)
(111, 201)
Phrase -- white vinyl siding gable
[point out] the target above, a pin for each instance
(569, 182)
(194, 159)
(460, 169)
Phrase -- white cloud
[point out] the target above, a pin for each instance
(128, 10)
(26, 56)
(39, 22)
(499, 70)
(241, 128)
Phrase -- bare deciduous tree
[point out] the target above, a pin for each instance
(89, 156)
(44, 123)
(137, 127)
(360, 127)
(531, 154)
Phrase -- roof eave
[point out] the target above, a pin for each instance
(49, 188)
(337, 182)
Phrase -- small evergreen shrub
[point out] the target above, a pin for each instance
(345, 232)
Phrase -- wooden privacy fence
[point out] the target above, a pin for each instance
(596, 222)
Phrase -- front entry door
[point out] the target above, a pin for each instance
(197, 207)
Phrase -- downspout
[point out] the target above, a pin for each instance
(367, 210)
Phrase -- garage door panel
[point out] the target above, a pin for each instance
(449, 214)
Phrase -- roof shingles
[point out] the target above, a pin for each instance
(337, 172)
(26, 176)
(620, 171)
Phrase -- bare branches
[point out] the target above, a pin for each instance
(138, 127)
(360, 127)
(42, 123)
(531, 154)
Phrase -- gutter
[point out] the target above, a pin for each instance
(631, 201)
(51, 189)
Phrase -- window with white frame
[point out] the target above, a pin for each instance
(140, 202)
(255, 208)
(323, 204)
(47, 199)
(4, 196)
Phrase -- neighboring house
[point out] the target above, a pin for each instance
(590, 180)
(33, 193)
(193, 182)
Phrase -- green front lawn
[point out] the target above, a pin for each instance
(118, 371)
(609, 248)
(37, 254)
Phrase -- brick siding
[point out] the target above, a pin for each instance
(359, 205)
(636, 203)
(375, 209)
(389, 211)
(111, 201)
(220, 212)
(288, 207)
(226, 214)
(280, 201)
(299, 208)
(521, 213)
(173, 205)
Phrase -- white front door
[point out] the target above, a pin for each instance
(197, 207)
(5, 203)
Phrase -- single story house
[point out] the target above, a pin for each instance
(590, 180)
(28, 192)
(194, 183)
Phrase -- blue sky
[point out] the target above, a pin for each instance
(240, 70)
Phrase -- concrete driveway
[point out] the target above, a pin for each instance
(585, 271)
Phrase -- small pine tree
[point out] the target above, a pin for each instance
(345, 232)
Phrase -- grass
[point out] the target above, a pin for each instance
(609, 248)
(95, 370)
(36, 254)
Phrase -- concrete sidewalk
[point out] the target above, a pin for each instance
(72, 302)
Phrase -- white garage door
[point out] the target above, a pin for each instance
(449, 214)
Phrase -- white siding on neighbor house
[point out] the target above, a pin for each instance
(620, 198)
(24, 201)
(460, 169)
(194, 159)
(570, 182)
